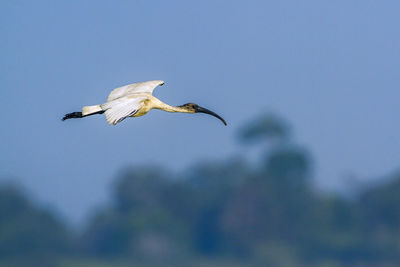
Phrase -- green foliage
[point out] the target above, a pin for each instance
(266, 127)
(218, 214)
(27, 231)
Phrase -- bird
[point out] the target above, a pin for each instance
(135, 100)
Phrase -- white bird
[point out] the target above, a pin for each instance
(135, 100)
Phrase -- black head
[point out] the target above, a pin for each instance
(194, 108)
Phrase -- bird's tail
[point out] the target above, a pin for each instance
(86, 111)
(73, 115)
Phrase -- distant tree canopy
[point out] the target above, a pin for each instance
(290, 166)
(232, 209)
(28, 231)
(263, 215)
(265, 127)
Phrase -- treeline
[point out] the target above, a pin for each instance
(216, 213)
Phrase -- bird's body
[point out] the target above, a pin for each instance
(135, 100)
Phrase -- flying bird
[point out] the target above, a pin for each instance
(135, 100)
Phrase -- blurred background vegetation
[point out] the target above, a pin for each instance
(231, 213)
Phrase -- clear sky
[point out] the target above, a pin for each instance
(331, 68)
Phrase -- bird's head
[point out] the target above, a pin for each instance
(194, 108)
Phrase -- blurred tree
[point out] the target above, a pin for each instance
(141, 189)
(379, 205)
(225, 212)
(285, 162)
(145, 221)
(213, 183)
(27, 231)
(289, 166)
(381, 216)
(266, 127)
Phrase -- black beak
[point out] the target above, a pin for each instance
(204, 110)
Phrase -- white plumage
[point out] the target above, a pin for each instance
(143, 87)
(124, 101)
(119, 109)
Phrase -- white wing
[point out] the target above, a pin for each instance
(123, 107)
(143, 87)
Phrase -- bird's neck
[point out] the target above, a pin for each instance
(163, 106)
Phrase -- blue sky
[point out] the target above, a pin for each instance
(331, 68)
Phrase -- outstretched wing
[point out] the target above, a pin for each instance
(123, 107)
(143, 87)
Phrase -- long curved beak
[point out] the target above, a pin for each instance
(207, 111)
